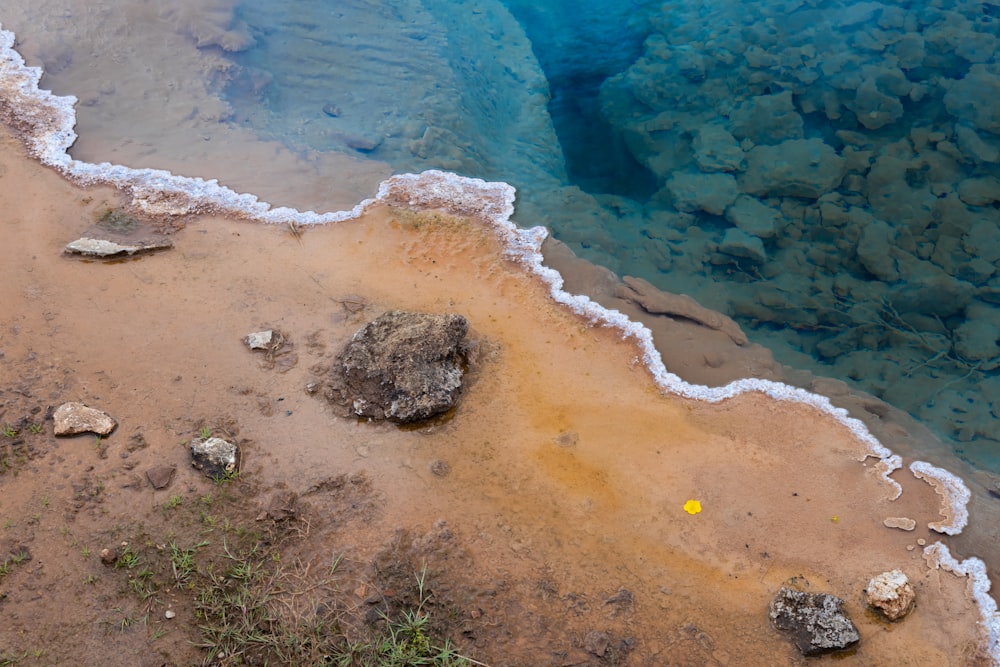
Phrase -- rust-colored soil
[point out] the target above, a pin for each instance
(547, 510)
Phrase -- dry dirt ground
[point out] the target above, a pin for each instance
(541, 523)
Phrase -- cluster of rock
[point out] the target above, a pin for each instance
(817, 623)
(838, 164)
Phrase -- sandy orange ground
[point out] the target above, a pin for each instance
(156, 342)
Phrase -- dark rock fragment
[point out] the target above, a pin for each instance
(403, 366)
(815, 622)
(160, 477)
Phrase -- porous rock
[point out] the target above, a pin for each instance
(891, 594)
(815, 622)
(215, 457)
(75, 418)
(403, 366)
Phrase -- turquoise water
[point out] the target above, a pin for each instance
(828, 173)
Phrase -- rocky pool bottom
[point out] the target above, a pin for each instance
(567, 469)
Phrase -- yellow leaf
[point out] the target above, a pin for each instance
(835, 518)
(692, 507)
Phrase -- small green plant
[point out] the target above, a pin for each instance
(4, 569)
(205, 433)
(45, 501)
(175, 501)
(182, 561)
(85, 552)
(19, 557)
(128, 559)
(35, 428)
(229, 476)
(90, 579)
(98, 441)
(10, 431)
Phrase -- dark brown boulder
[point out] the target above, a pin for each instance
(403, 367)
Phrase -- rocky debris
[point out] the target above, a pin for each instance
(603, 645)
(278, 350)
(403, 367)
(108, 249)
(261, 340)
(891, 594)
(109, 556)
(815, 622)
(864, 139)
(215, 457)
(282, 506)
(655, 301)
(75, 418)
(160, 477)
(597, 643)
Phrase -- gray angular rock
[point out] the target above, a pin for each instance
(979, 191)
(75, 418)
(796, 168)
(815, 622)
(737, 243)
(973, 99)
(767, 119)
(215, 457)
(711, 193)
(403, 366)
(753, 217)
(715, 149)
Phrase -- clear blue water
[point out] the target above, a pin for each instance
(825, 172)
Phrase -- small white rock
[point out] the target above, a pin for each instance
(169, 613)
(892, 594)
(259, 340)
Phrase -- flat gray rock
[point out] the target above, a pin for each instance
(104, 248)
(403, 366)
(76, 418)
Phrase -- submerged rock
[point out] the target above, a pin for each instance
(403, 366)
(891, 594)
(797, 168)
(815, 622)
(76, 418)
(215, 457)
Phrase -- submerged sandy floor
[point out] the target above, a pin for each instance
(156, 342)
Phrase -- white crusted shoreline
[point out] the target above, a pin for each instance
(46, 122)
